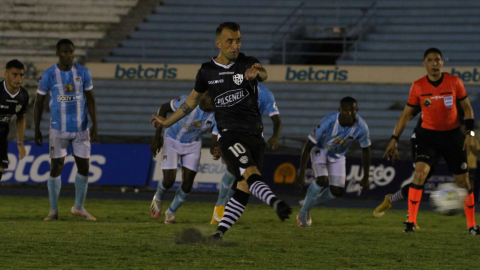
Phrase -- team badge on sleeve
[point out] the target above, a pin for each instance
(256, 65)
(427, 102)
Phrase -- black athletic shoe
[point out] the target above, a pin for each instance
(474, 230)
(283, 210)
(217, 235)
(410, 227)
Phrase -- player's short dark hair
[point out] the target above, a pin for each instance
(229, 25)
(14, 64)
(347, 100)
(64, 41)
(432, 50)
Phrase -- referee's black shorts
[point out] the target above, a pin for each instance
(431, 144)
(242, 150)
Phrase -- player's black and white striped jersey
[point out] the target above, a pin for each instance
(234, 98)
(11, 105)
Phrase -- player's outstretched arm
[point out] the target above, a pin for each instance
(392, 152)
(366, 158)
(258, 73)
(20, 125)
(92, 111)
(300, 180)
(157, 142)
(277, 128)
(189, 105)
(37, 118)
(469, 143)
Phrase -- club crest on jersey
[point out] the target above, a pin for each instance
(238, 79)
(196, 123)
(69, 87)
(78, 80)
(427, 102)
(18, 108)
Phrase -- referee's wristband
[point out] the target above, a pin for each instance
(394, 137)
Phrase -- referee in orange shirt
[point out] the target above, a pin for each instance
(439, 135)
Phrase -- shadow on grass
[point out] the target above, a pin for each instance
(193, 236)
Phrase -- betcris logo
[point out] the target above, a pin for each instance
(316, 74)
(159, 73)
(467, 76)
(35, 167)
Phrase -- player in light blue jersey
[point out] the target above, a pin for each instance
(71, 96)
(182, 140)
(266, 103)
(327, 146)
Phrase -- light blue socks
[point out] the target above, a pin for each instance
(81, 186)
(312, 192)
(54, 185)
(179, 199)
(160, 190)
(225, 187)
(324, 196)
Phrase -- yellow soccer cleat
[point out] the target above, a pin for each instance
(382, 208)
(218, 213)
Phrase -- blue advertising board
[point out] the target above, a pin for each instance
(110, 164)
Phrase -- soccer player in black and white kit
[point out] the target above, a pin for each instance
(13, 101)
(231, 78)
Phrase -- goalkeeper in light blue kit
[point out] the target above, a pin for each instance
(266, 103)
(327, 146)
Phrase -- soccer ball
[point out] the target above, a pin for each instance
(447, 199)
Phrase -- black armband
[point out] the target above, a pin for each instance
(394, 137)
(470, 124)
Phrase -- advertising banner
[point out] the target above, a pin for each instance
(208, 178)
(110, 164)
(285, 73)
(279, 172)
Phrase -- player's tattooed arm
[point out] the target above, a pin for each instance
(185, 108)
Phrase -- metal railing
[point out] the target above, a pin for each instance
(348, 36)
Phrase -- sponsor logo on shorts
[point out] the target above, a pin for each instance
(230, 98)
(427, 102)
(215, 81)
(464, 166)
(165, 159)
(244, 159)
(65, 98)
(238, 79)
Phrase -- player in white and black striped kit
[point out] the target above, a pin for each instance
(13, 101)
(231, 78)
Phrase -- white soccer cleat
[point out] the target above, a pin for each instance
(155, 208)
(82, 213)
(169, 217)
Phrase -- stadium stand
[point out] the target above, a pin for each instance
(29, 29)
(402, 29)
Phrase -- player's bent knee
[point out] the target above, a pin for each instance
(336, 191)
(243, 186)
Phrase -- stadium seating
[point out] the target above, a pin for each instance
(29, 29)
(404, 29)
(184, 31)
